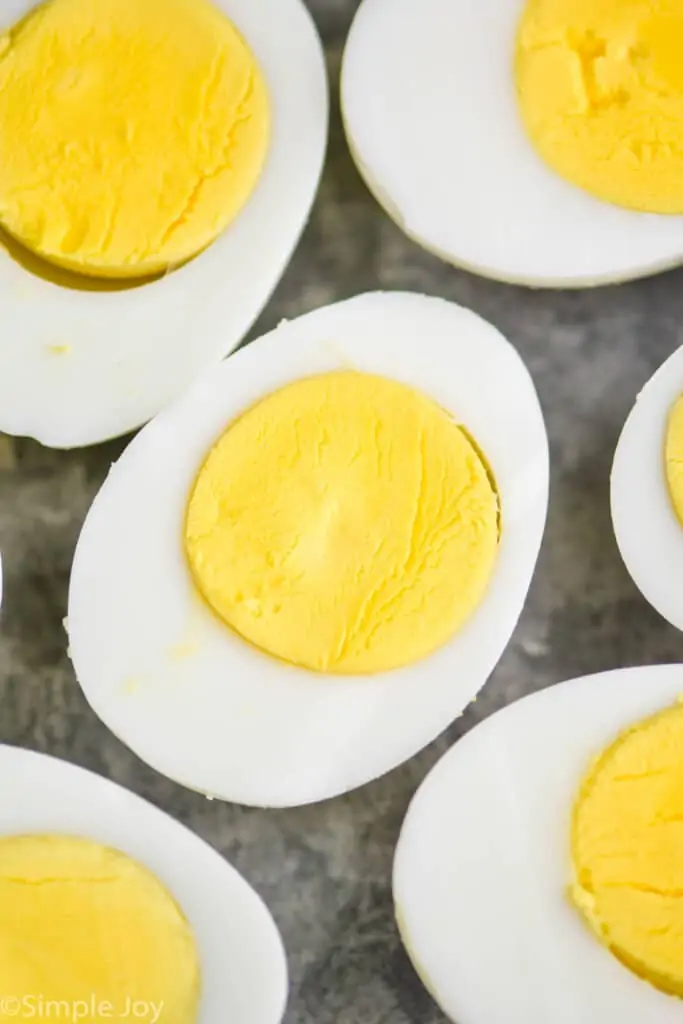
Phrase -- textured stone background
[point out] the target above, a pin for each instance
(325, 870)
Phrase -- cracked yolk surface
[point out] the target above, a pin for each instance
(345, 523)
(82, 925)
(600, 87)
(627, 845)
(131, 133)
(673, 457)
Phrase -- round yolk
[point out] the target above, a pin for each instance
(627, 844)
(88, 934)
(345, 524)
(673, 457)
(600, 87)
(131, 133)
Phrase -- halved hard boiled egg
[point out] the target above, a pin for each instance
(161, 161)
(537, 875)
(647, 490)
(112, 909)
(300, 573)
(533, 141)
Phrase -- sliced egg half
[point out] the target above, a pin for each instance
(80, 366)
(242, 962)
(192, 697)
(647, 529)
(483, 864)
(430, 107)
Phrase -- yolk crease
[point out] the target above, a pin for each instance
(345, 523)
(600, 89)
(627, 847)
(85, 929)
(131, 133)
(673, 457)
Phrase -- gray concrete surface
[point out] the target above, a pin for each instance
(325, 870)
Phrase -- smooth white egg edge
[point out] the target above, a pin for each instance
(243, 963)
(649, 536)
(497, 210)
(133, 351)
(228, 720)
(482, 863)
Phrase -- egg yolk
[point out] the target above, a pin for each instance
(600, 87)
(345, 523)
(131, 132)
(88, 934)
(627, 844)
(673, 457)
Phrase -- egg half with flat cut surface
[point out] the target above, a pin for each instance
(539, 868)
(159, 163)
(647, 490)
(110, 909)
(532, 141)
(296, 576)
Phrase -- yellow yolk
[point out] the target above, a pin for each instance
(600, 87)
(673, 457)
(131, 132)
(345, 523)
(627, 844)
(83, 924)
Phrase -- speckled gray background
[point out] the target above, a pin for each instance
(325, 870)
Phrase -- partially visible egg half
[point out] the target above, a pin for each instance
(646, 491)
(491, 881)
(372, 492)
(431, 102)
(49, 806)
(83, 357)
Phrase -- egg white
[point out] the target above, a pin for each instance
(429, 104)
(648, 534)
(242, 960)
(79, 367)
(483, 863)
(188, 695)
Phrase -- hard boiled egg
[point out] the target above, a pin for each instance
(82, 362)
(242, 967)
(430, 96)
(329, 618)
(483, 868)
(644, 491)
